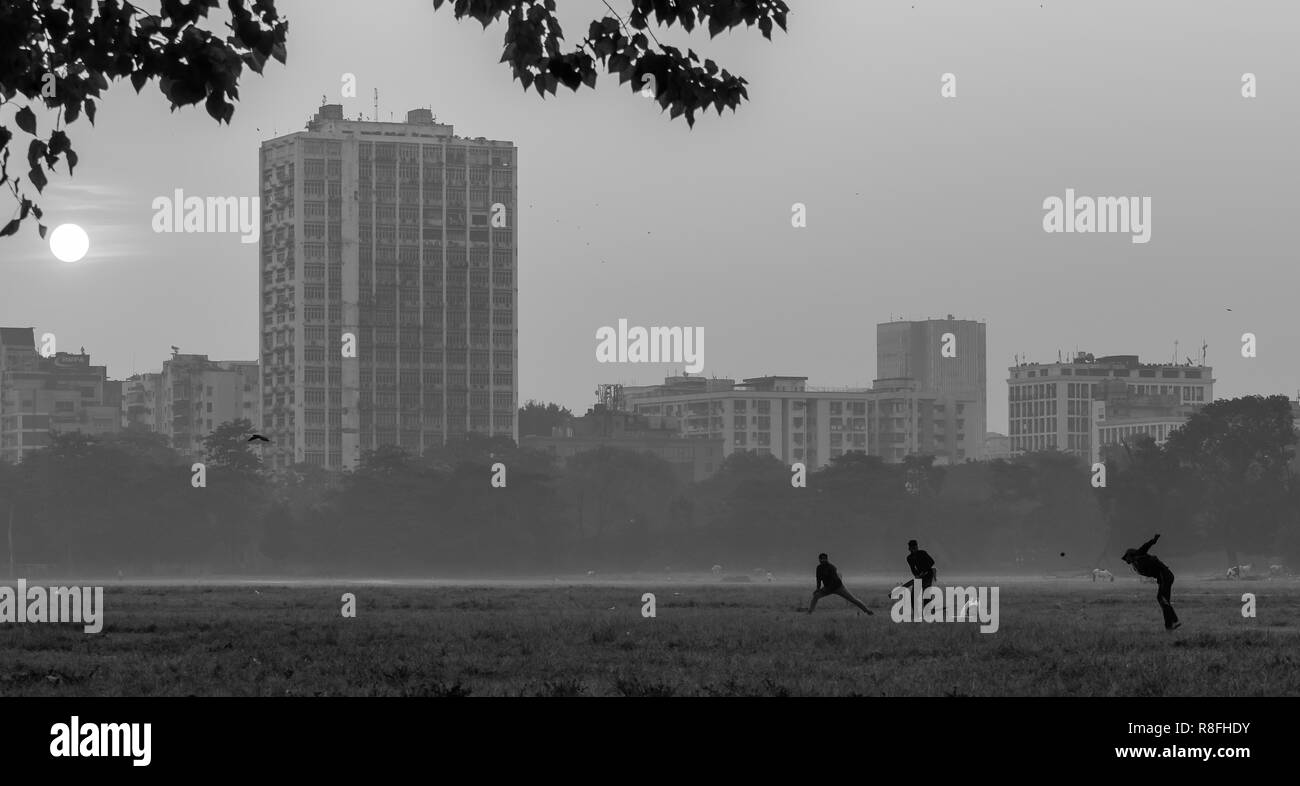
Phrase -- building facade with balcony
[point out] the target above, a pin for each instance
(140, 396)
(195, 395)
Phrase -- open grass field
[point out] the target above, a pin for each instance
(1057, 637)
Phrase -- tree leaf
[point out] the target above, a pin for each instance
(26, 120)
(37, 176)
(34, 152)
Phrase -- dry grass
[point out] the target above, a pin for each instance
(1064, 637)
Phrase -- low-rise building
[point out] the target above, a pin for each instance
(61, 393)
(196, 395)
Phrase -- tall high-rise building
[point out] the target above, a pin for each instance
(947, 360)
(388, 297)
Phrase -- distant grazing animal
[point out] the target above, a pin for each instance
(1147, 580)
(1101, 574)
(1237, 571)
(1276, 570)
(591, 573)
(717, 570)
(769, 576)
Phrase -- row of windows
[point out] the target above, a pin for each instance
(1186, 393)
(1039, 442)
(1029, 392)
(1112, 434)
(1032, 408)
(1167, 373)
(452, 152)
(1048, 390)
(1033, 426)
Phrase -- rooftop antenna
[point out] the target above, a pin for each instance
(376, 116)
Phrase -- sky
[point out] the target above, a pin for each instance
(917, 205)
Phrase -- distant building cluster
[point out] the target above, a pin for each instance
(388, 316)
(64, 393)
(61, 393)
(190, 397)
(923, 402)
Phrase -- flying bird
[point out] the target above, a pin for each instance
(258, 438)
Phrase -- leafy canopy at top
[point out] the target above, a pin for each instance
(64, 54)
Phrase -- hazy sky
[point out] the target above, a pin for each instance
(917, 205)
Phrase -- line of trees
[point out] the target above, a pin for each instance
(127, 503)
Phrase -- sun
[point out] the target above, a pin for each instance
(69, 242)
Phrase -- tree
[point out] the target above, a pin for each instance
(614, 490)
(277, 532)
(8, 503)
(227, 446)
(235, 485)
(682, 83)
(1238, 452)
(537, 419)
(1147, 491)
(63, 55)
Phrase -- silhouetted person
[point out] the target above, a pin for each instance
(922, 566)
(1150, 566)
(830, 583)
